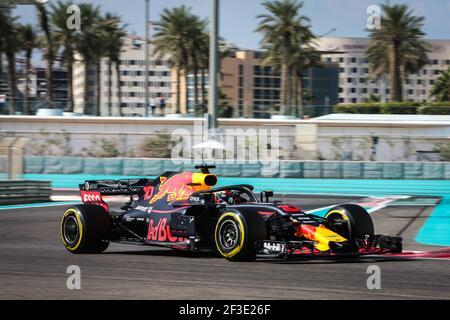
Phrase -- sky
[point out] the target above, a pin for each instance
(238, 17)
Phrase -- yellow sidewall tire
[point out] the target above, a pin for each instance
(240, 224)
(93, 226)
(72, 212)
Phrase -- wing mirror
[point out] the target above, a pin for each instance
(266, 194)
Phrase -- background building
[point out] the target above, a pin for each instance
(3, 84)
(354, 83)
(132, 69)
(38, 88)
(253, 90)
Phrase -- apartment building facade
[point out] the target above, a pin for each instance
(132, 81)
(356, 86)
(38, 87)
(253, 90)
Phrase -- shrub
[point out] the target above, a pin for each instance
(102, 148)
(361, 108)
(158, 146)
(435, 110)
(439, 104)
(379, 108)
(444, 150)
(399, 108)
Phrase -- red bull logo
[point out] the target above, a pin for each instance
(161, 232)
(307, 231)
(175, 188)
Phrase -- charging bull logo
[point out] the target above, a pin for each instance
(321, 235)
(182, 185)
(175, 188)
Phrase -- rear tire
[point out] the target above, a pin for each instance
(236, 233)
(359, 220)
(85, 229)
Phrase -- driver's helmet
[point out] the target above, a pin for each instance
(224, 197)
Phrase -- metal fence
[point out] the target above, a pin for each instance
(21, 191)
(104, 144)
(137, 109)
(56, 166)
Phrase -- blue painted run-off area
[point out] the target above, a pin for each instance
(435, 231)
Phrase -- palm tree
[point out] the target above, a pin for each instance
(203, 55)
(66, 38)
(104, 27)
(197, 49)
(3, 26)
(397, 48)
(305, 58)
(113, 47)
(172, 38)
(441, 89)
(87, 44)
(28, 40)
(50, 50)
(10, 46)
(283, 29)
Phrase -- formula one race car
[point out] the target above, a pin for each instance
(183, 211)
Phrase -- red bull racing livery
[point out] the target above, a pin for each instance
(185, 211)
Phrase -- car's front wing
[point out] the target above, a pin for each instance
(377, 244)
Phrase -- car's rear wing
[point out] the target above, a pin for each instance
(116, 187)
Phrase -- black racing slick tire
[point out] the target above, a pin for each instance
(359, 224)
(236, 233)
(85, 228)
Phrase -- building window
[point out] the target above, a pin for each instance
(241, 69)
(276, 83)
(257, 70)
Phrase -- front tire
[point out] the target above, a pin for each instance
(236, 233)
(85, 229)
(359, 222)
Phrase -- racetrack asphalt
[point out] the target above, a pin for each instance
(33, 265)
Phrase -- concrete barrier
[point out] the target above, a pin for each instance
(24, 191)
(281, 169)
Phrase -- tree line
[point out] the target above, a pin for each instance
(100, 36)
